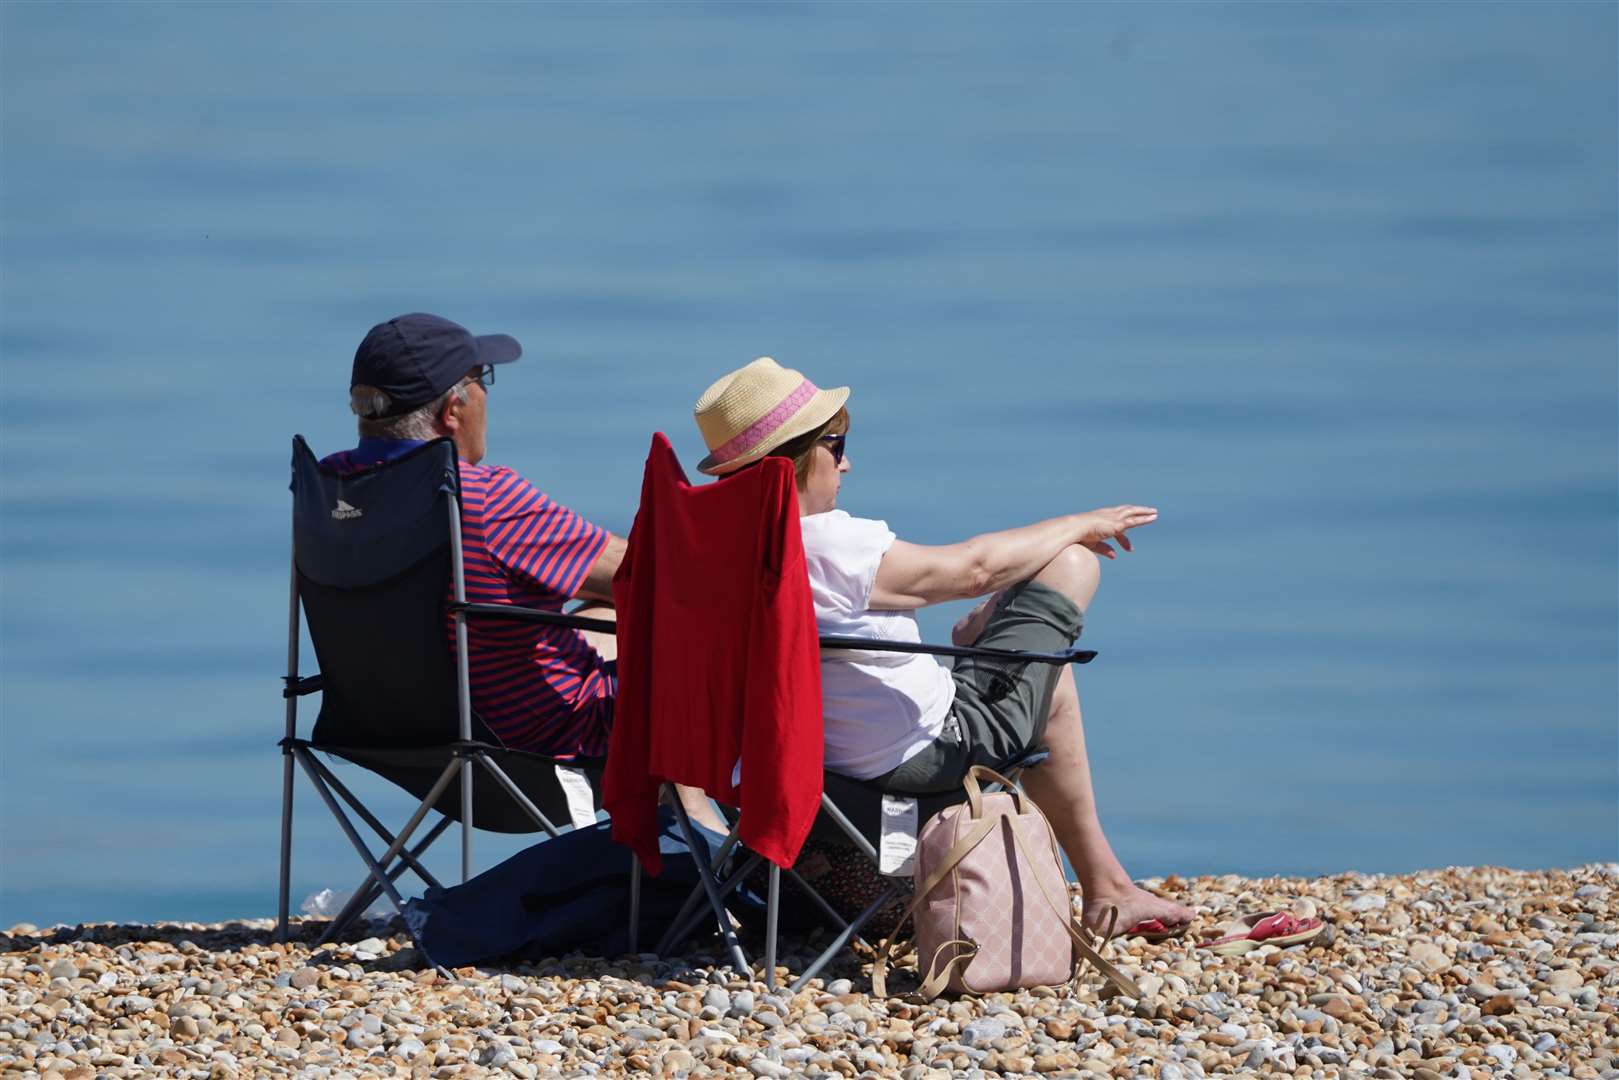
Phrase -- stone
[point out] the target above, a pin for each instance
(1429, 957)
(304, 978)
(982, 1032)
(1565, 980)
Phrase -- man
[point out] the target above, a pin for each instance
(543, 689)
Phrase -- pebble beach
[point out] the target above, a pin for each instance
(1462, 972)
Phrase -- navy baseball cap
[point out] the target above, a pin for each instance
(415, 358)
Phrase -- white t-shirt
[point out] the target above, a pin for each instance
(881, 708)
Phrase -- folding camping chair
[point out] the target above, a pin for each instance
(850, 810)
(374, 554)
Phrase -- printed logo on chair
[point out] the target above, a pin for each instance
(896, 848)
(343, 511)
(576, 789)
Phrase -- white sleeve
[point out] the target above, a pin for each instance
(843, 554)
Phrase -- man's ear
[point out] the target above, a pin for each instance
(449, 418)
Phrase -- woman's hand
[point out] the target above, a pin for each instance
(1112, 523)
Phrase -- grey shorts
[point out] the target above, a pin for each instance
(1001, 706)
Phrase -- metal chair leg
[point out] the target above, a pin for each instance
(466, 820)
(367, 892)
(682, 928)
(370, 819)
(635, 903)
(705, 874)
(842, 940)
(284, 896)
(365, 854)
(772, 916)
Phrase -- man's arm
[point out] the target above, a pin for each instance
(914, 575)
(598, 583)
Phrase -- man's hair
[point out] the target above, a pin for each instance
(369, 404)
(799, 449)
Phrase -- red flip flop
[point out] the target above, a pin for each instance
(1282, 928)
(1153, 931)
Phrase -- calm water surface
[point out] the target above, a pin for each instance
(1332, 286)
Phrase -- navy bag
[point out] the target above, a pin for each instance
(565, 894)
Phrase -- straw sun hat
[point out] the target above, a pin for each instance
(757, 408)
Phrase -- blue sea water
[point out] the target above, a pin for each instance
(1333, 286)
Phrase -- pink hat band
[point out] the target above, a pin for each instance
(762, 428)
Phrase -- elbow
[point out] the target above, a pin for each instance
(976, 576)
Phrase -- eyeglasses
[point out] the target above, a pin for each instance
(484, 377)
(834, 443)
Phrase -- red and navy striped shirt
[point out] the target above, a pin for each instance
(539, 688)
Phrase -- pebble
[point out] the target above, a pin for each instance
(1455, 974)
(1429, 957)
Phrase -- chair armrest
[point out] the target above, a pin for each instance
(1067, 656)
(579, 622)
(534, 615)
(296, 687)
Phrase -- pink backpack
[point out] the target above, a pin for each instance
(992, 908)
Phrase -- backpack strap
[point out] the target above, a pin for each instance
(975, 796)
(939, 975)
(879, 970)
(1082, 941)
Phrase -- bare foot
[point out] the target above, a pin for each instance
(1135, 905)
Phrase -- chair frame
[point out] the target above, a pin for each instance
(396, 859)
(715, 890)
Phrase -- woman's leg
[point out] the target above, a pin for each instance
(1062, 784)
(1062, 787)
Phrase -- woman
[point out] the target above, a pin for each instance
(901, 716)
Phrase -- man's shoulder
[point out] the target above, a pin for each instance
(507, 484)
(492, 476)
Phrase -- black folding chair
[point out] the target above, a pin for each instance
(851, 812)
(376, 567)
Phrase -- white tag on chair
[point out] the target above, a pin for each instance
(896, 847)
(576, 789)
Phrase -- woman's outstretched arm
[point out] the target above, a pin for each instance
(915, 575)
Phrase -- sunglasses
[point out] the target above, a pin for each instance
(834, 443)
(484, 377)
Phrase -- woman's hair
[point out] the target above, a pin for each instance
(799, 449)
(369, 403)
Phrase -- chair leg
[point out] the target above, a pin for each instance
(842, 940)
(466, 820)
(820, 901)
(691, 914)
(283, 896)
(366, 893)
(669, 940)
(517, 795)
(772, 915)
(370, 819)
(364, 852)
(705, 874)
(635, 903)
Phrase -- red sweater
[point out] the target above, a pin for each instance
(718, 657)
